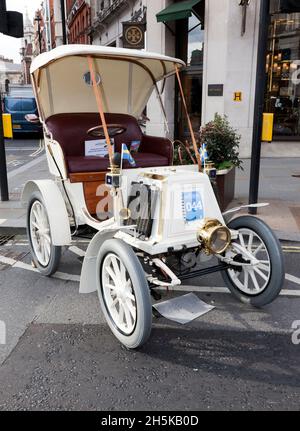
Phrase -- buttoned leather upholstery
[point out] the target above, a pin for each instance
(70, 130)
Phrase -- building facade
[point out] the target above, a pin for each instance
(39, 36)
(78, 14)
(208, 38)
(218, 40)
(27, 48)
(9, 71)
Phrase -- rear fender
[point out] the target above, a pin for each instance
(55, 206)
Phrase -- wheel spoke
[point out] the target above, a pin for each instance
(131, 308)
(115, 301)
(123, 273)
(36, 216)
(130, 296)
(264, 267)
(128, 318)
(253, 277)
(246, 279)
(116, 267)
(111, 287)
(261, 274)
(250, 242)
(34, 224)
(242, 241)
(47, 238)
(111, 274)
(48, 249)
(121, 313)
(42, 250)
(259, 248)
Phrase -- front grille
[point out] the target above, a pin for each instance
(142, 203)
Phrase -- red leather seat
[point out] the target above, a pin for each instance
(70, 130)
(80, 164)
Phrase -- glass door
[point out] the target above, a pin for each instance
(190, 44)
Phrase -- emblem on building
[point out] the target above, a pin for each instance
(134, 35)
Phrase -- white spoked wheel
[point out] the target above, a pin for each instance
(119, 294)
(124, 293)
(253, 279)
(260, 280)
(40, 233)
(45, 255)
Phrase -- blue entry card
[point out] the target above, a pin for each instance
(193, 206)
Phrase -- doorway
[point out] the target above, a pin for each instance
(190, 48)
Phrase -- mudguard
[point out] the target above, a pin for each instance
(55, 206)
(88, 282)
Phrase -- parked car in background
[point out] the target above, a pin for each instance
(19, 103)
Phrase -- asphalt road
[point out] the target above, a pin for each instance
(61, 355)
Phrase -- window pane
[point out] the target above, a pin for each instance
(283, 72)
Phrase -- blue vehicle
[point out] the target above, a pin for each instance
(19, 107)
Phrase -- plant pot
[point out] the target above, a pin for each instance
(226, 187)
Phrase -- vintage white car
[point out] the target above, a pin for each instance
(150, 226)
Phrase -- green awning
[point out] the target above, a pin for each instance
(175, 11)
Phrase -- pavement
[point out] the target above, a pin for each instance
(26, 160)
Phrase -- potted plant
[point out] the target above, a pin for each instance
(222, 144)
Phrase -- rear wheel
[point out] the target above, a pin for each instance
(45, 255)
(258, 284)
(124, 293)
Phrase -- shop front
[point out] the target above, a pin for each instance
(185, 21)
(283, 75)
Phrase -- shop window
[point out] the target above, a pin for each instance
(283, 75)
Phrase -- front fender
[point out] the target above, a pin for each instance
(88, 282)
(55, 206)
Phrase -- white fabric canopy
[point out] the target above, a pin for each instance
(127, 79)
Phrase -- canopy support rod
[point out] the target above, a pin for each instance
(99, 101)
(189, 120)
(162, 108)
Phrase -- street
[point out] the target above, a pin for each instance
(60, 354)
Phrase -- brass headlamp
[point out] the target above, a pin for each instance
(213, 236)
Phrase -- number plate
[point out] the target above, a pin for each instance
(16, 126)
(193, 206)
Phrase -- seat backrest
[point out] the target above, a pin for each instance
(70, 130)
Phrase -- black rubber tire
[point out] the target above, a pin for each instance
(273, 289)
(55, 254)
(141, 289)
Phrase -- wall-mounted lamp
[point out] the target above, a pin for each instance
(244, 4)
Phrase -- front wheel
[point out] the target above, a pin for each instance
(45, 255)
(258, 284)
(124, 293)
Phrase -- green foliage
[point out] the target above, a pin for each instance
(222, 143)
(184, 153)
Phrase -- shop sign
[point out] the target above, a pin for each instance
(134, 35)
(216, 90)
(238, 96)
